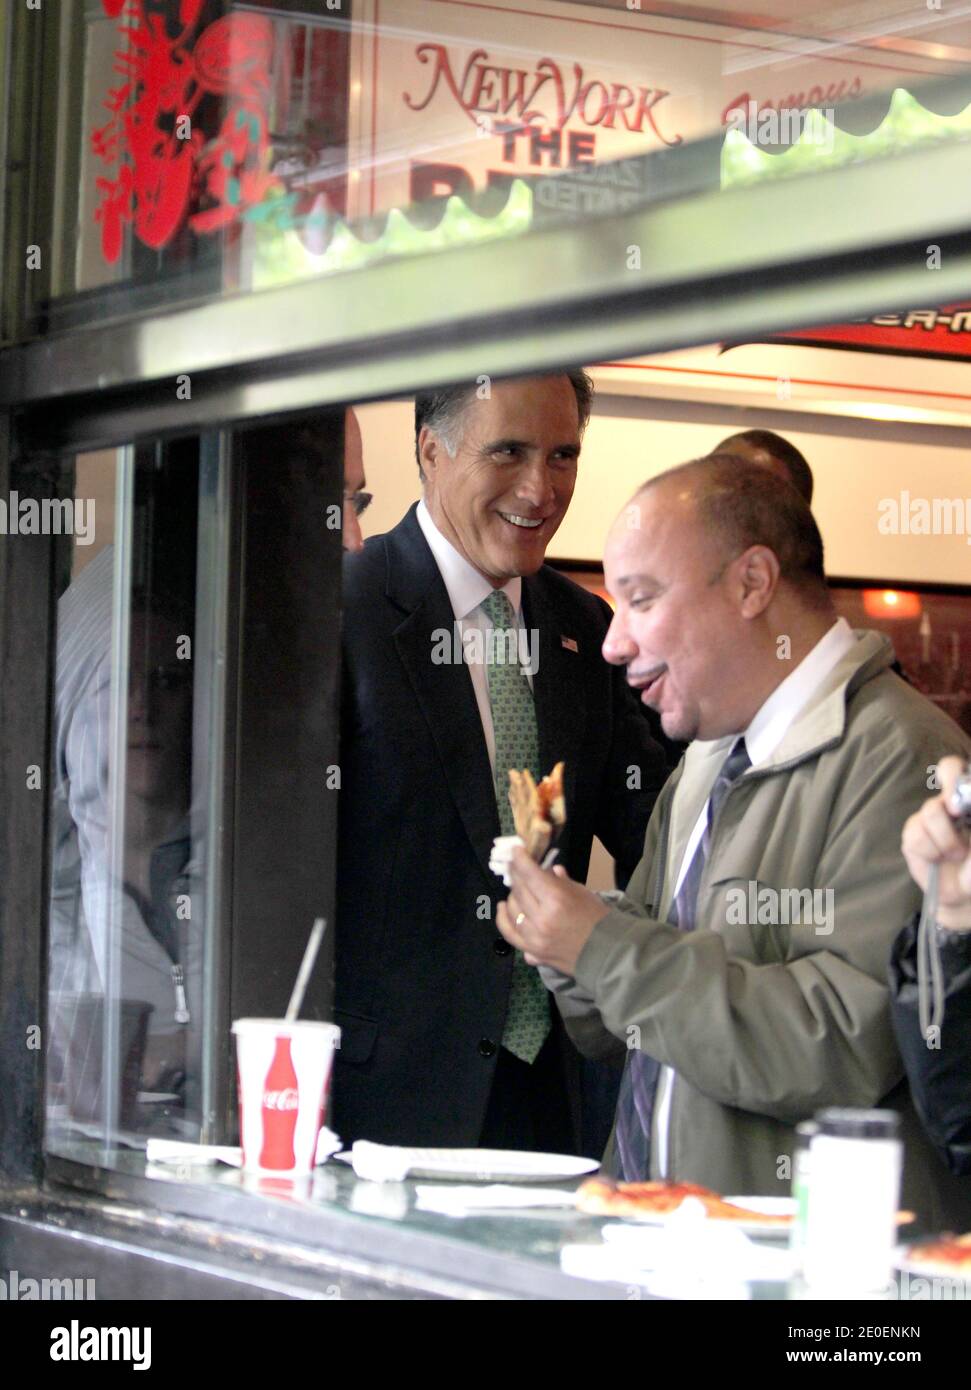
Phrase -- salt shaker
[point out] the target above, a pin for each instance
(854, 1193)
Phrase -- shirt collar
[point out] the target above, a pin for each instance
(467, 588)
(774, 718)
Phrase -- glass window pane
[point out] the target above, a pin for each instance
(129, 870)
(195, 769)
(209, 147)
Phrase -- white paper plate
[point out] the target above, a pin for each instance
(487, 1165)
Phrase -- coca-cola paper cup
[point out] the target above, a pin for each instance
(284, 1081)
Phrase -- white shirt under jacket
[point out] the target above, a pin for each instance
(467, 589)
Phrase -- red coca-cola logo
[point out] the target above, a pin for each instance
(287, 1099)
(280, 1107)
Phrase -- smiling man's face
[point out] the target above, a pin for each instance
(676, 626)
(502, 497)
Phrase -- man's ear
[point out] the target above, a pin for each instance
(429, 447)
(758, 572)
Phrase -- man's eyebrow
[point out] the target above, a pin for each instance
(569, 448)
(494, 444)
(627, 580)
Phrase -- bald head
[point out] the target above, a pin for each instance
(738, 504)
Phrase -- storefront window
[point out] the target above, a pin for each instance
(209, 148)
(203, 154)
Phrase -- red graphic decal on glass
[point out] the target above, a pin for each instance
(165, 161)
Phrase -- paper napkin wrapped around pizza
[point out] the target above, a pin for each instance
(539, 814)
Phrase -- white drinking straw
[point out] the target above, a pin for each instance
(306, 965)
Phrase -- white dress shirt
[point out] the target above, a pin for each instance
(467, 589)
(762, 737)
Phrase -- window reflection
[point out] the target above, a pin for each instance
(126, 926)
(157, 835)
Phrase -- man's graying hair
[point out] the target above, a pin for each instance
(740, 505)
(442, 409)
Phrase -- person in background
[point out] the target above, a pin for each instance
(133, 911)
(769, 450)
(939, 1070)
(743, 975)
(448, 1037)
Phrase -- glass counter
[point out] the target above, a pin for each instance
(344, 1224)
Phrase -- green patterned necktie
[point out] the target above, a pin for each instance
(517, 745)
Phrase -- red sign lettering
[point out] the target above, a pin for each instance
(546, 96)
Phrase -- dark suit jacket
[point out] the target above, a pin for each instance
(423, 975)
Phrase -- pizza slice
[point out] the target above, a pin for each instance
(602, 1197)
(950, 1254)
(539, 812)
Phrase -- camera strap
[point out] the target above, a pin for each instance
(930, 974)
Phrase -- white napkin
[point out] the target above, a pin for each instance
(461, 1200)
(380, 1162)
(501, 853)
(177, 1151)
(328, 1144)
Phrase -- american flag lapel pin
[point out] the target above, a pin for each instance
(570, 643)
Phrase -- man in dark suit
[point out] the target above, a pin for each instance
(447, 1035)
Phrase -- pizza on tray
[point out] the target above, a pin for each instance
(601, 1197)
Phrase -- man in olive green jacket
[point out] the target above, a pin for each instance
(747, 960)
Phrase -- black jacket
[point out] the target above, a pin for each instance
(940, 1078)
(422, 974)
